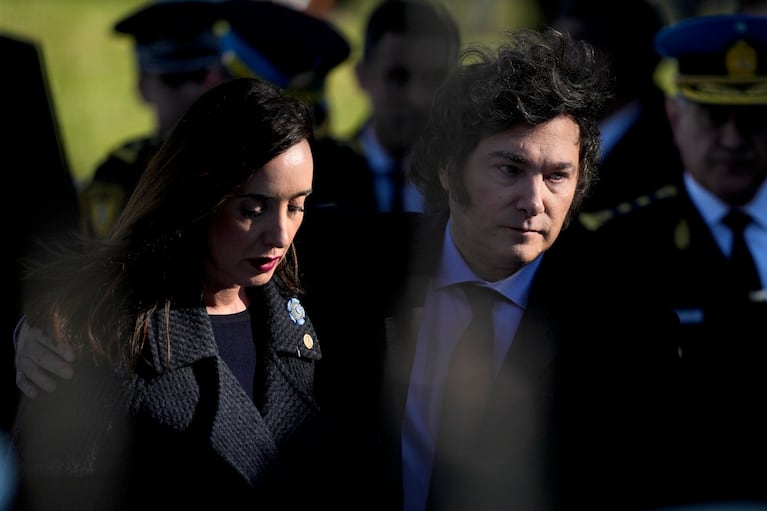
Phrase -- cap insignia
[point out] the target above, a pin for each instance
(741, 60)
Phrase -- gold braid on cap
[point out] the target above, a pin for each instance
(741, 86)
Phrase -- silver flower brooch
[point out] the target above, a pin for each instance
(296, 311)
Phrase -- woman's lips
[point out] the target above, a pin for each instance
(265, 264)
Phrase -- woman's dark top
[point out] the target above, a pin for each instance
(236, 346)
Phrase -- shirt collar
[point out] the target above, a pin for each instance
(615, 126)
(453, 269)
(712, 209)
(379, 161)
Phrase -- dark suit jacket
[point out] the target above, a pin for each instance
(640, 161)
(342, 177)
(580, 416)
(665, 247)
(183, 432)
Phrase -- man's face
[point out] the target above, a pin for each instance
(170, 101)
(400, 79)
(723, 147)
(520, 184)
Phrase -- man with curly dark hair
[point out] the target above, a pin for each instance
(571, 377)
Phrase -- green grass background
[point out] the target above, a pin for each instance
(92, 76)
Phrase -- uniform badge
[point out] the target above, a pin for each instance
(296, 311)
(682, 235)
(741, 60)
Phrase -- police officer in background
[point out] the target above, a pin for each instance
(185, 47)
(702, 250)
(177, 59)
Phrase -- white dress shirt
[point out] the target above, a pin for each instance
(446, 315)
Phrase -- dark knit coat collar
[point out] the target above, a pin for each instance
(194, 391)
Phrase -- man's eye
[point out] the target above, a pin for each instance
(558, 176)
(510, 169)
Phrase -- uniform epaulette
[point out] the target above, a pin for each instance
(596, 219)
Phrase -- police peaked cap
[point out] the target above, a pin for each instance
(721, 59)
(291, 48)
(173, 35)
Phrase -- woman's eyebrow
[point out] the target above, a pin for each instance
(261, 196)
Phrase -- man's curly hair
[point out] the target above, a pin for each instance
(532, 78)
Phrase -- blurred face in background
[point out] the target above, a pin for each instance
(723, 147)
(400, 78)
(171, 94)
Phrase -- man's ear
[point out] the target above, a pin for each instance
(144, 88)
(444, 179)
(672, 110)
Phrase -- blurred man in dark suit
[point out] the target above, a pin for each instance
(41, 199)
(410, 47)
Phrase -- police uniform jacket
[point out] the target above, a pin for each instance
(579, 416)
(104, 197)
(665, 248)
(182, 431)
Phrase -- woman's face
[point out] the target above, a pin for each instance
(250, 233)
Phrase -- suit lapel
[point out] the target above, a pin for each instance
(239, 433)
(401, 335)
